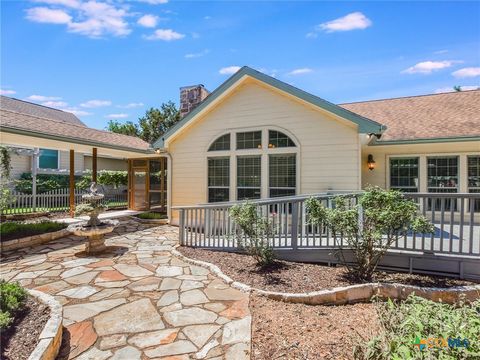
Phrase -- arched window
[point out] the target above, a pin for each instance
(277, 139)
(222, 143)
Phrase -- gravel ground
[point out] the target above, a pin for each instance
(296, 331)
(285, 276)
(21, 338)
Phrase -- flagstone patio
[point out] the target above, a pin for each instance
(138, 301)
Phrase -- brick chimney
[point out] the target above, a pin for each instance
(190, 97)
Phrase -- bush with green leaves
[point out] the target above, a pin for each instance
(12, 299)
(14, 230)
(254, 231)
(406, 323)
(368, 228)
(105, 177)
(45, 182)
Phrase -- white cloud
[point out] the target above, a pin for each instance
(229, 70)
(197, 55)
(7, 92)
(300, 71)
(467, 72)
(439, 52)
(41, 98)
(165, 35)
(154, 2)
(49, 16)
(149, 21)
(451, 89)
(116, 116)
(353, 21)
(96, 103)
(76, 111)
(90, 18)
(131, 105)
(55, 104)
(311, 35)
(426, 67)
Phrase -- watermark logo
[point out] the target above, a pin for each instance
(440, 342)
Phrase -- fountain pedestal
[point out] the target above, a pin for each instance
(94, 229)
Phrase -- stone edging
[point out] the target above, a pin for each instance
(33, 240)
(348, 294)
(51, 335)
(149, 221)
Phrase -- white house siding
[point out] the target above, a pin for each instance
(329, 148)
(65, 161)
(20, 164)
(381, 154)
(106, 164)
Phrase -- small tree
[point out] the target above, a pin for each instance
(368, 228)
(254, 232)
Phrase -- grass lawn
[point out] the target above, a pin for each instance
(15, 230)
(152, 216)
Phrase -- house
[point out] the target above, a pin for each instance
(257, 137)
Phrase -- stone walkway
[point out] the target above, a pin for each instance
(136, 302)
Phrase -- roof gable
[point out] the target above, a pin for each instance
(364, 125)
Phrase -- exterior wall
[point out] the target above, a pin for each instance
(381, 153)
(329, 150)
(65, 161)
(20, 164)
(106, 164)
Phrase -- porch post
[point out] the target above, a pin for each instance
(35, 154)
(72, 183)
(94, 165)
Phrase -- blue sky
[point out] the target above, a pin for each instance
(115, 59)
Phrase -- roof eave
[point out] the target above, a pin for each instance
(424, 140)
(18, 131)
(365, 125)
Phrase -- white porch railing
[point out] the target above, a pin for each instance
(59, 201)
(456, 218)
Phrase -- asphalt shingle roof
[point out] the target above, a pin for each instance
(447, 115)
(25, 107)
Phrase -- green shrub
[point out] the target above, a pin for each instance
(254, 232)
(105, 177)
(12, 299)
(368, 228)
(45, 182)
(437, 326)
(151, 215)
(14, 230)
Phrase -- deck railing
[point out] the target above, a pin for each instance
(455, 216)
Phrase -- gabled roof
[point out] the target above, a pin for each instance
(28, 108)
(425, 118)
(23, 124)
(365, 125)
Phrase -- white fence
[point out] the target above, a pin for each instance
(59, 201)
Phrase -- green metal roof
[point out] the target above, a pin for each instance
(364, 125)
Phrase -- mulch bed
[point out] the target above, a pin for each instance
(297, 331)
(21, 338)
(286, 276)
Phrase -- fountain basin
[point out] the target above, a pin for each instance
(95, 234)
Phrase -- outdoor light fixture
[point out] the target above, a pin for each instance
(370, 162)
(158, 151)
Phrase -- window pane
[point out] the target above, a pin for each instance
(218, 194)
(139, 163)
(282, 175)
(404, 174)
(222, 143)
(48, 159)
(218, 179)
(278, 139)
(442, 174)
(249, 170)
(474, 179)
(249, 140)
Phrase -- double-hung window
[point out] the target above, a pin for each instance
(473, 168)
(404, 174)
(218, 179)
(282, 174)
(442, 176)
(249, 174)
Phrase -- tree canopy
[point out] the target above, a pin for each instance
(151, 126)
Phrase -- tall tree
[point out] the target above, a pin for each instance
(152, 125)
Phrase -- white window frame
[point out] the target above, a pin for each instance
(58, 158)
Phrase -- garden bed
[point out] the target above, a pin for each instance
(297, 331)
(16, 230)
(291, 277)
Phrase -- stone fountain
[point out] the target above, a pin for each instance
(94, 229)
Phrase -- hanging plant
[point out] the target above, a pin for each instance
(5, 161)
